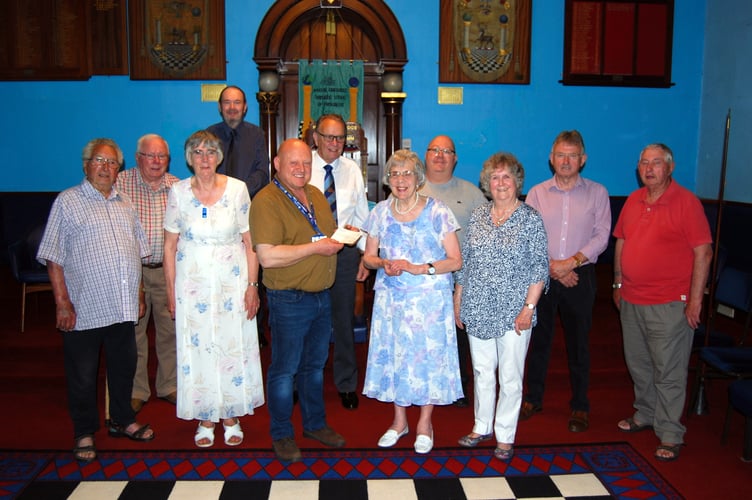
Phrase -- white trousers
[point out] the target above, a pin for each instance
(504, 356)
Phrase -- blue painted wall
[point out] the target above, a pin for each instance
(45, 124)
(727, 80)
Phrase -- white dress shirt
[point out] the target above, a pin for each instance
(352, 204)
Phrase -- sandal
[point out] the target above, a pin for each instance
(630, 425)
(503, 454)
(80, 451)
(116, 430)
(471, 442)
(233, 431)
(674, 449)
(203, 432)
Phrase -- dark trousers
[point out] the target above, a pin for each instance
(81, 352)
(342, 295)
(575, 307)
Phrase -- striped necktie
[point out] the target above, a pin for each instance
(330, 191)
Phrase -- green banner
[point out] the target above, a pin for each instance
(330, 87)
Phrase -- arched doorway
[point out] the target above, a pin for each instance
(364, 30)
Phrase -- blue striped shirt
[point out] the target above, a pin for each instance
(99, 243)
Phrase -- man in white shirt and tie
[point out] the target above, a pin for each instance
(350, 208)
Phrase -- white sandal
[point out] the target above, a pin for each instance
(232, 431)
(203, 432)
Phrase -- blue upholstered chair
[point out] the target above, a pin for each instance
(26, 269)
(735, 290)
(740, 399)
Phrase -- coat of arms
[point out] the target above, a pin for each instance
(484, 33)
(177, 35)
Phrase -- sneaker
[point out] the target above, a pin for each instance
(326, 436)
(286, 450)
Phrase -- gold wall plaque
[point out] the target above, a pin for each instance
(210, 91)
(450, 95)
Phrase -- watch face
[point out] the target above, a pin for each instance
(431, 269)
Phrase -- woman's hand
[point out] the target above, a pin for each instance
(523, 321)
(252, 301)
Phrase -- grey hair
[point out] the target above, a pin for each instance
(203, 137)
(498, 161)
(101, 141)
(400, 158)
(668, 155)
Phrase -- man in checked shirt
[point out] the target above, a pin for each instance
(147, 186)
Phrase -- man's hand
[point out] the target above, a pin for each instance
(65, 316)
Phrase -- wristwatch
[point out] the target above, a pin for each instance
(431, 269)
(530, 306)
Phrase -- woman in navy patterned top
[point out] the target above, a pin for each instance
(505, 270)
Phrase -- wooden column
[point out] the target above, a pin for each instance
(268, 111)
(392, 102)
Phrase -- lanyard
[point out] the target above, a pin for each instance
(309, 214)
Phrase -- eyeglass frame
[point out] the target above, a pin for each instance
(332, 138)
(569, 156)
(154, 156)
(397, 174)
(101, 160)
(436, 150)
(207, 153)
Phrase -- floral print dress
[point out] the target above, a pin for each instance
(219, 370)
(412, 352)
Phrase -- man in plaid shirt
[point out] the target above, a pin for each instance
(147, 186)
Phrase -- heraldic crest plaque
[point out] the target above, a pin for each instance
(486, 41)
(178, 39)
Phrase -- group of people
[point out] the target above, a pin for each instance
(461, 274)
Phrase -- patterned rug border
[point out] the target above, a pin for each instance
(623, 471)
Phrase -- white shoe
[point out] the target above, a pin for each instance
(204, 433)
(232, 431)
(391, 437)
(423, 443)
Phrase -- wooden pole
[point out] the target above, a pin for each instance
(700, 405)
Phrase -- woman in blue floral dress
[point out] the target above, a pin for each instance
(412, 355)
(212, 289)
(504, 272)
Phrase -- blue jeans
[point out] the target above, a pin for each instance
(301, 324)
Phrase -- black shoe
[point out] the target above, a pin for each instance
(461, 403)
(349, 400)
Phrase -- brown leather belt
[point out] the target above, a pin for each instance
(153, 266)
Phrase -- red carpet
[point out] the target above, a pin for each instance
(588, 471)
(32, 395)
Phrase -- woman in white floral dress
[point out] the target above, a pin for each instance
(212, 285)
(412, 354)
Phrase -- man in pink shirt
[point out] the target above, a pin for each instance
(577, 215)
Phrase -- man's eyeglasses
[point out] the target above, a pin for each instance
(332, 138)
(569, 156)
(153, 156)
(655, 162)
(437, 151)
(209, 153)
(404, 173)
(101, 160)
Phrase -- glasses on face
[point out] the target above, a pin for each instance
(396, 174)
(655, 162)
(440, 151)
(101, 160)
(332, 138)
(568, 156)
(154, 156)
(209, 153)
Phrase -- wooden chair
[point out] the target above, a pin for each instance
(26, 269)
